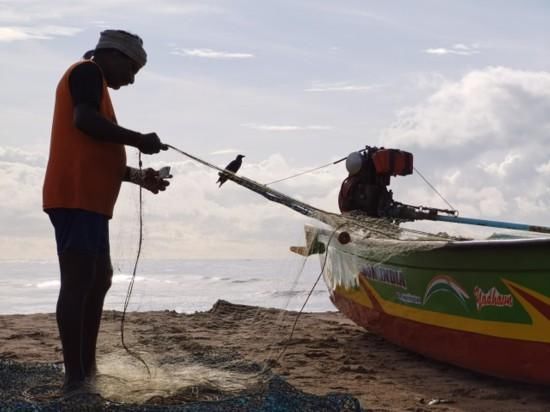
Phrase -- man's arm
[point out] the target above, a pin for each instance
(88, 120)
(86, 85)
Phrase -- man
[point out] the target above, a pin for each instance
(86, 167)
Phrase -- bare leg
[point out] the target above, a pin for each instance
(92, 313)
(77, 272)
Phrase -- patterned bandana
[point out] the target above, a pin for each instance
(127, 43)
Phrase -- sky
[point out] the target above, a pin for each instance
(464, 86)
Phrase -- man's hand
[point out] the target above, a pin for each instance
(148, 179)
(150, 143)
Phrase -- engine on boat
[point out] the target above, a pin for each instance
(366, 187)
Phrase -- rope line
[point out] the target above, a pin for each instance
(434, 189)
(307, 171)
(132, 281)
(287, 343)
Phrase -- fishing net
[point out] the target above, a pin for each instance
(198, 376)
(194, 370)
(29, 387)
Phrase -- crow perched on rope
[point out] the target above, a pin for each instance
(233, 166)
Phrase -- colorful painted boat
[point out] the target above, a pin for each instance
(481, 305)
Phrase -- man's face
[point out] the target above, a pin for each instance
(123, 70)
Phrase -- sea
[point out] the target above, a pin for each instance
(185, 286)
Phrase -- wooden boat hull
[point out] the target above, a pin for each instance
(481, 305)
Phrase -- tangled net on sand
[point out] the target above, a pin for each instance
(35, 387)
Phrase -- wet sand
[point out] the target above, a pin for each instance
(327, 353)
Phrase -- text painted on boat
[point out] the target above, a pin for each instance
(384, 275)
(408, 298)
(492, 298)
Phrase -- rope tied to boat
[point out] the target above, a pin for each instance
(307, 171)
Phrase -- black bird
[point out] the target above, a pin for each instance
(233, 166)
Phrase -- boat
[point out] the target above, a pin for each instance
(483, 305)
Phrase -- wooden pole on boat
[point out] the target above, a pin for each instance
(491, 223)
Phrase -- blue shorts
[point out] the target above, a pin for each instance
(80, 231)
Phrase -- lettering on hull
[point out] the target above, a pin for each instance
(492, 298)
(384, 275)
(408, 298)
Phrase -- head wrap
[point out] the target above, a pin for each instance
(129, 44)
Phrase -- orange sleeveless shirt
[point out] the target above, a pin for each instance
(82, 172)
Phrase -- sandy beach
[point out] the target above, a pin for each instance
(197, 356)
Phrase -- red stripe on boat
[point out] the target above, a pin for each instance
(538, 304)
(506, 358)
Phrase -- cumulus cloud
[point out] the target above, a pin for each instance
(25, 227)
(501, 168)
(452, 176)
(457, 50)
(211, 54)
(21, 174)
(544, 168)
(11, 154)
(482, 141)
(495, 106)
(20, 187)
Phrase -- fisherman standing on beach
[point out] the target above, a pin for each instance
(86, 166)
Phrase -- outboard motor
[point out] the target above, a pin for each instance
(366, 187)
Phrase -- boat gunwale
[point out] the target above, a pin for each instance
(456, 244)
